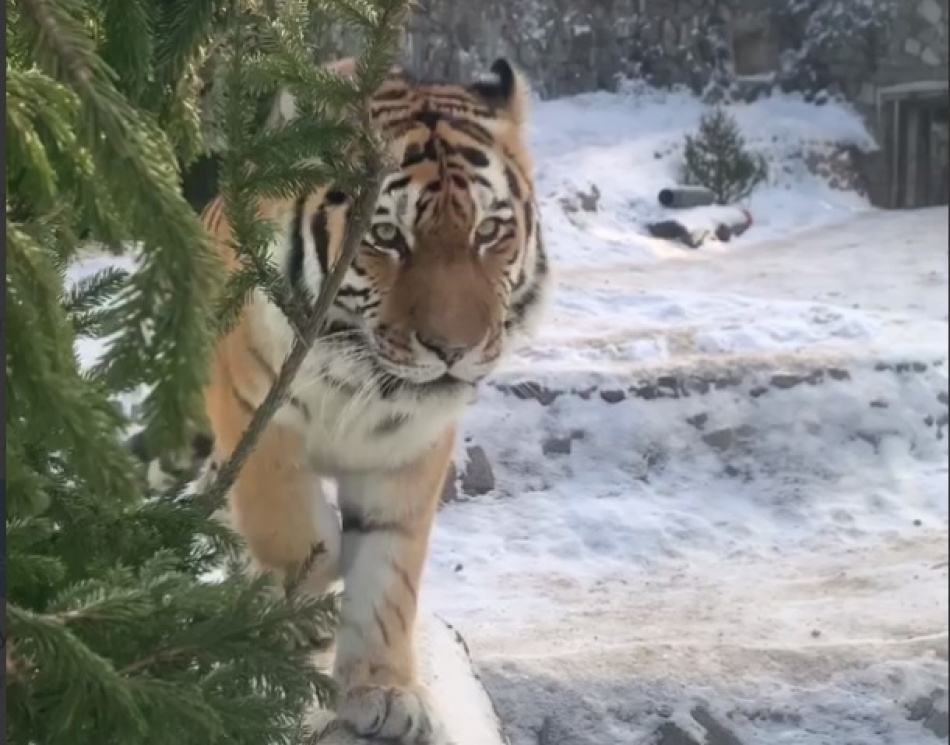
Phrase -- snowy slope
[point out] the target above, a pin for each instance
(771, 545)
(630, 146)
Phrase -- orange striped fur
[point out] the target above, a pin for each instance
(451, 276)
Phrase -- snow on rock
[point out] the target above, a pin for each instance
(456, 692)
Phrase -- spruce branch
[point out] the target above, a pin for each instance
(357, 224)
(383, 25)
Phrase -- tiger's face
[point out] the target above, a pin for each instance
(451, 273)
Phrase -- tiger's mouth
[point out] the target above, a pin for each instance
(349, 341)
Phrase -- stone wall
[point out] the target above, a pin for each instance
(916, 50)
(565, 46)
(573, 46)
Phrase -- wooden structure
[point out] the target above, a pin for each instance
(912, 119)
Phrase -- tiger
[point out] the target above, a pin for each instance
(450, 277)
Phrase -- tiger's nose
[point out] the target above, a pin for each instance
(445, 350)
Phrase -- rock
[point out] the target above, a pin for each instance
(939, 723)
(785, 381)
(698, 421)
(613, 396)
(672, 734)
(715, 733)
(445, 667)
(724, 439)
(478, 477)
(930, 11)
(588, 202)
(921, 709)
(530, 390)
(930, 57)
(556, 445)
(581, 201)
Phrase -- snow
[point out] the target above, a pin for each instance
(775, 553)
(794, 581)
(446, 670)
(629, 146)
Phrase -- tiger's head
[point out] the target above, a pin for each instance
(452, 273)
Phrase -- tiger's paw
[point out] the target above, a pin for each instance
(401, 716)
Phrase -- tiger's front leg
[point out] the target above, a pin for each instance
(387, 520)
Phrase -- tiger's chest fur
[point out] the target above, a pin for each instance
(347, 421)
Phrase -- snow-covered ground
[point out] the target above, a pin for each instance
(772, 546)
(778, 557)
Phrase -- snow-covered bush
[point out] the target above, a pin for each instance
(716, 157)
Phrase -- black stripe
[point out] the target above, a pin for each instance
(513, 186)
(335, 197)
(395, 94)
(515, 165)
(474, 156)
(340, 385)
(300, 406)
(382, 627)
(321, 238)
(530, 297)
(356, 522)
(413, 156)
(271, 374)
(391, 424)
(474, 130)
(479, 179)
(399, 183)
(360, 292)
(377, 111)
(295, 258)
(400, 616)
(262, 362)
(243, 401)
(428, 118)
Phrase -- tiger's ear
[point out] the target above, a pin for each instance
(506, 89)
(284, 109)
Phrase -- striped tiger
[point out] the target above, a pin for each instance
(450, 276)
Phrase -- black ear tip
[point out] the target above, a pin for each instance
(201, 445)
(502, 68)
(499, 88)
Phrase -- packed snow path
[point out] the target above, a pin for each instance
(782, 559)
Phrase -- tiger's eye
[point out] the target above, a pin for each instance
(487, 228)
(384, 232)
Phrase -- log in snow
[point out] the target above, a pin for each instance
(686, 197)
(446, 668)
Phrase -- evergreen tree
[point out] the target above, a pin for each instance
(116, 630)
(716, 157)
